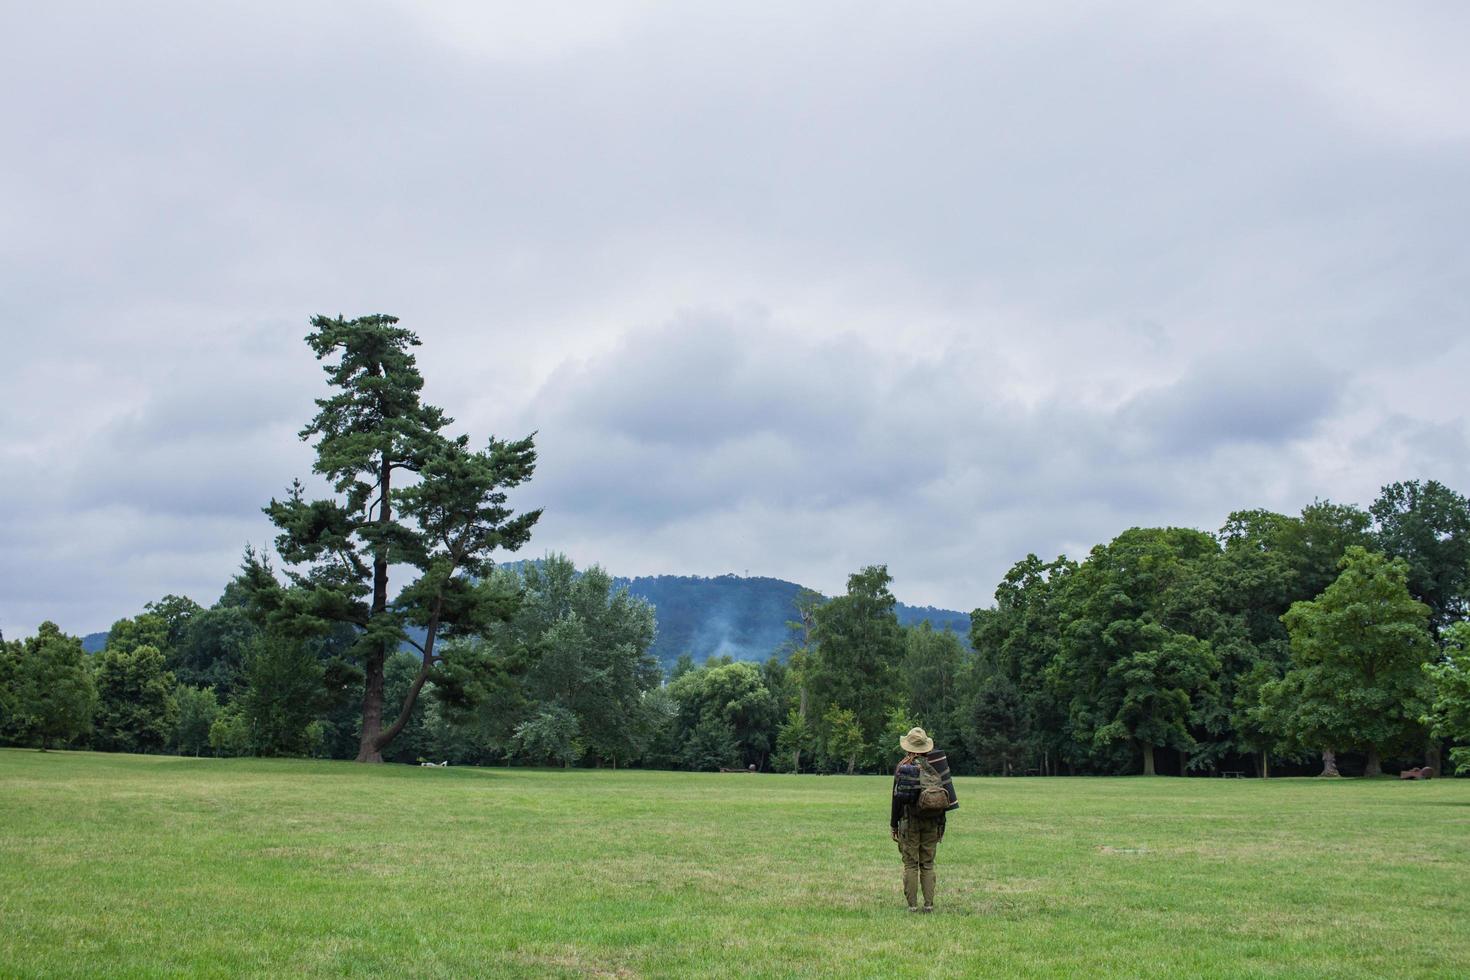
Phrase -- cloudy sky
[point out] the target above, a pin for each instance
(785, 288)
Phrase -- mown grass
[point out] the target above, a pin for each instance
(132, 865)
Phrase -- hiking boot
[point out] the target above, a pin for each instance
(913, 908)
(927, 909)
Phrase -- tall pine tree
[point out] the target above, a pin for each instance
(407, 496)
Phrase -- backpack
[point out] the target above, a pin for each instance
(933, 798)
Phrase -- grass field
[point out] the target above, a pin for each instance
(133, 865)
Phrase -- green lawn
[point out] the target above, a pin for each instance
(133, 865)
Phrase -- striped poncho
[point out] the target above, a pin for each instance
(906, 786)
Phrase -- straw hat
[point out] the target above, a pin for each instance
(916, 741)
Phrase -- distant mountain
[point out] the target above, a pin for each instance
(744, 618)
(94, 642)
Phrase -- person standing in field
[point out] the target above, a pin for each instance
(923, 793)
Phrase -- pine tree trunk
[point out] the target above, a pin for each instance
(1374, 765)
(851, 764)
(369, 749)
(1431, 758)
(1148, 759)
(1184, 762)
(796, 760)
(372, 709)
(1329, 763)
(1265, 765)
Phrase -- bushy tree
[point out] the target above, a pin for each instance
(578, 641)
(135, 704)
(735, 696)
(198, 707)
(149, 629)
(406, 497)
(1358, 650)
(54, 695)
(1428, 525)
(1129, 673)
(1317, 542)
(1151, 690)
(212, 647)
(553, 734)
(229, 733)
(858, 648)
(711, 746)
(1449, 711)
(284, 691)
(795, 738)
(931, 670)
(845, 741)
(998, 735)
(1258, 724)
(1020, 638)
(177, 612)
(10, 656)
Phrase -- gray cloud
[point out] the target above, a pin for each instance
(1267, 400)
(786, 289)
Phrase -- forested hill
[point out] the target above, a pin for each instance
(743, 617)
(728, 614)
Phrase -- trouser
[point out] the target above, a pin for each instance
(918, 841)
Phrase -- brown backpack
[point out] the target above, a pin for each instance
(933, 798)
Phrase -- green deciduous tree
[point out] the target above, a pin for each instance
(1319, 539)
(858, 648)
(229, 734)
(1257, 725)
(1019, 638)
(735, 696)
(198, 707)
(284, 691)
(211, 649)
(135, 704)
(10, 654)
(407, 497)
(1428, 526)
(795, 738)
(1126, 665)
(1357, 652)
(1449, 711)
(149, 629)
(1152, 687)
(177, 612)
(553, 734)
(931, 671)
(54, 694)
(710, 746)
(845, 741)
(578, 641)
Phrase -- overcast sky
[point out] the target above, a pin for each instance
(785, 288)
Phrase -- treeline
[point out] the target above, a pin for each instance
(1280, 641)
(1273, 641)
